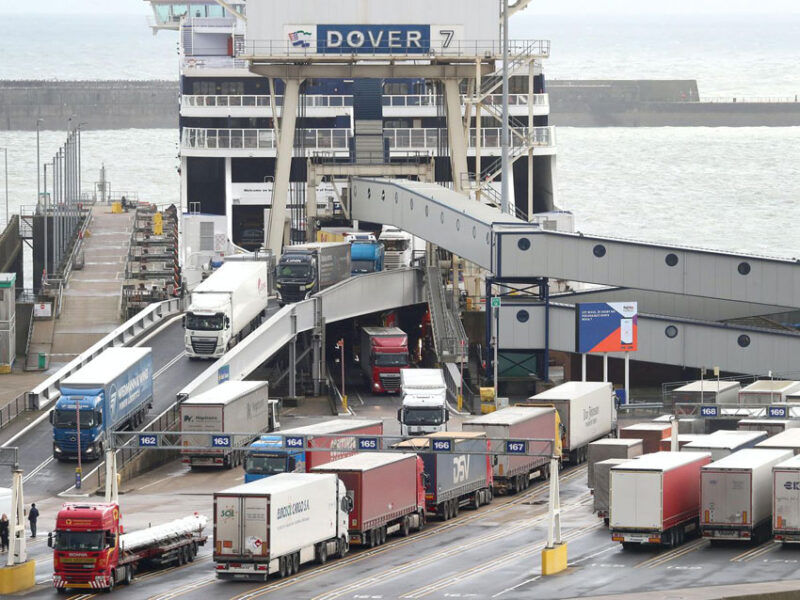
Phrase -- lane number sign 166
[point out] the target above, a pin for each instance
(442, 445)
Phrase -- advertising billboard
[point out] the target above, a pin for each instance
(606, 327)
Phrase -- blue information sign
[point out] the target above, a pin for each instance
(516, 447)
(291, 441)
(147, 441)
(220, 441)
(224, 374)
(368, 443)
(709, 411)
(778, 412)
(442, 445)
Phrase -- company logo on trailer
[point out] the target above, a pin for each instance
(792, 485)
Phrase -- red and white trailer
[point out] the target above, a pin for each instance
(388, 492)
(655, 499)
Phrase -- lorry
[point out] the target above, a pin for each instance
(91, 552)
(231, 407)
(226, 307)
(424, 407)
(306, 269)
(511, 473)
(608, 448)
(586, 410)
(767, 391)
(771, 426)
(399, 247)
(725, 442)
(787, 440)
(651, 434)
(388, 493)
(602, 476)
(786, 501)
(736, 495)
(111, 392)
(707, 392)
(366, 257)
(458, 470)
(383, 353)
(269, 456)
(655, 499)
(276, 525)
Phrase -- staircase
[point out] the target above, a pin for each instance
(368, 143)
(492, 82)
(449, 337)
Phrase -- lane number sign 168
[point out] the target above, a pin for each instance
(709, 411)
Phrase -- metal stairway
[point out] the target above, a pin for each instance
(449, 337)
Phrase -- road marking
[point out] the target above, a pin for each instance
(764, 548)
(27, 428)
(360, 399)
(661, 559)
(167, 366)
(580, 560)
(519, 585)
(37, 469)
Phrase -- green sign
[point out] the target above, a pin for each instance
(496, 302)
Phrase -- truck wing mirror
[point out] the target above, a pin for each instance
(183, 321)
(50, 540)
(447, 415)
(50, 416)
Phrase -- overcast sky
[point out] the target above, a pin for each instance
(561, 7)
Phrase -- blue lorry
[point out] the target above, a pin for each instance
(111, 392)
(366, 256)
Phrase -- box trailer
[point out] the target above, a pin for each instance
(587, 413)
(388, 493)
(786, 501)
(655, 499)
(231, 407)
(274, 525)
(602, 476)
(683, 439)
(511, 472)
(788, 440)
(725, 442)
(768, 391)
(771, 426)
(458, 470)
(305, 269)
(226, 307)
(707, 392)
(736, 495)
(607, 448)
(651, 434)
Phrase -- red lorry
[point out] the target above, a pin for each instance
(384, 351)
(388, 493)
(91, 551)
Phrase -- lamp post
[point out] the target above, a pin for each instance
(505, 134)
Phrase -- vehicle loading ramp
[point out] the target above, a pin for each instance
(516, 251)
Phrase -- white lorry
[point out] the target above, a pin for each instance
(586, 410)
(276, 524)
(424, 408)
(226, 307)
(231, 407)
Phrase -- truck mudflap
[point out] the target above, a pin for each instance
(242, 571)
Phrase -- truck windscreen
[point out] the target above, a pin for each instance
(362, 266)
(65, 418)
(294, 271)
(265, 465)
(423, 416)
(399, 359)
(395, 245)
(80, 540)
(204, 322)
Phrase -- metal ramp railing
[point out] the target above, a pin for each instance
(449, 337)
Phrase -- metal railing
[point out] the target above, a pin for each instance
(746, 99)
(213, 62)
(47, 391)
(449, 336)
(12, 410)
(486, 49)
(455, 384)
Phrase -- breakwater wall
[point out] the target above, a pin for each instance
(575, 103)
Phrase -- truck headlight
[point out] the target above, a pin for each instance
(90, 450)
(57, 449)
(278, 285)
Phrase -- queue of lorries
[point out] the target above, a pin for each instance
(310, 503)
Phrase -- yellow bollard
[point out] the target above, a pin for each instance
(344, 403)
(460, 402)
(17, 578)
(554, 560)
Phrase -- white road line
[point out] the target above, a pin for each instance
(511, 589)
(580, 560)
(30, 426)
(360, 399)
(167, 366)
(37, 469)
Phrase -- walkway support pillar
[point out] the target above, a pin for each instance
(455, 135)
(554, 555)
(283, 164)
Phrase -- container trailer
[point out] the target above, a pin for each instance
(453, 477)
(707, 392)
(736, 495)
(725, 442)
(768, 391)
(275, 525)
(602, 476)
(655, 499)
(306, 269)
(269, 456)
(786, 501)
(608, 448)
(226, 307)
(113, 391)
(771, 426)
(512, 472)
(91, 552)
(683, 439)
(788, 440)
(651, 435)
(587, 413)
(388, 493)
(231, 407)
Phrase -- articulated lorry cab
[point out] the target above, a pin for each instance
(269, 456)
(275, 525)
(91, 552)
(458, 470)
(366, 257)
(111, 392)
(383, 353)
(226, 307)
(306, 269)
(424, 408)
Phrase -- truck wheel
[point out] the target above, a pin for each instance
(180, 559)
(282, 567)
(296, 563)
(456, 507)
(476, 500)
(111, 581)
(444, 511)
(404, 528)
(128, 575)
(383, 535)
(342, 547)
(322, 553)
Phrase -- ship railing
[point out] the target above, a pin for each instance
(213, 62)
(488, 49)
(747, 99)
